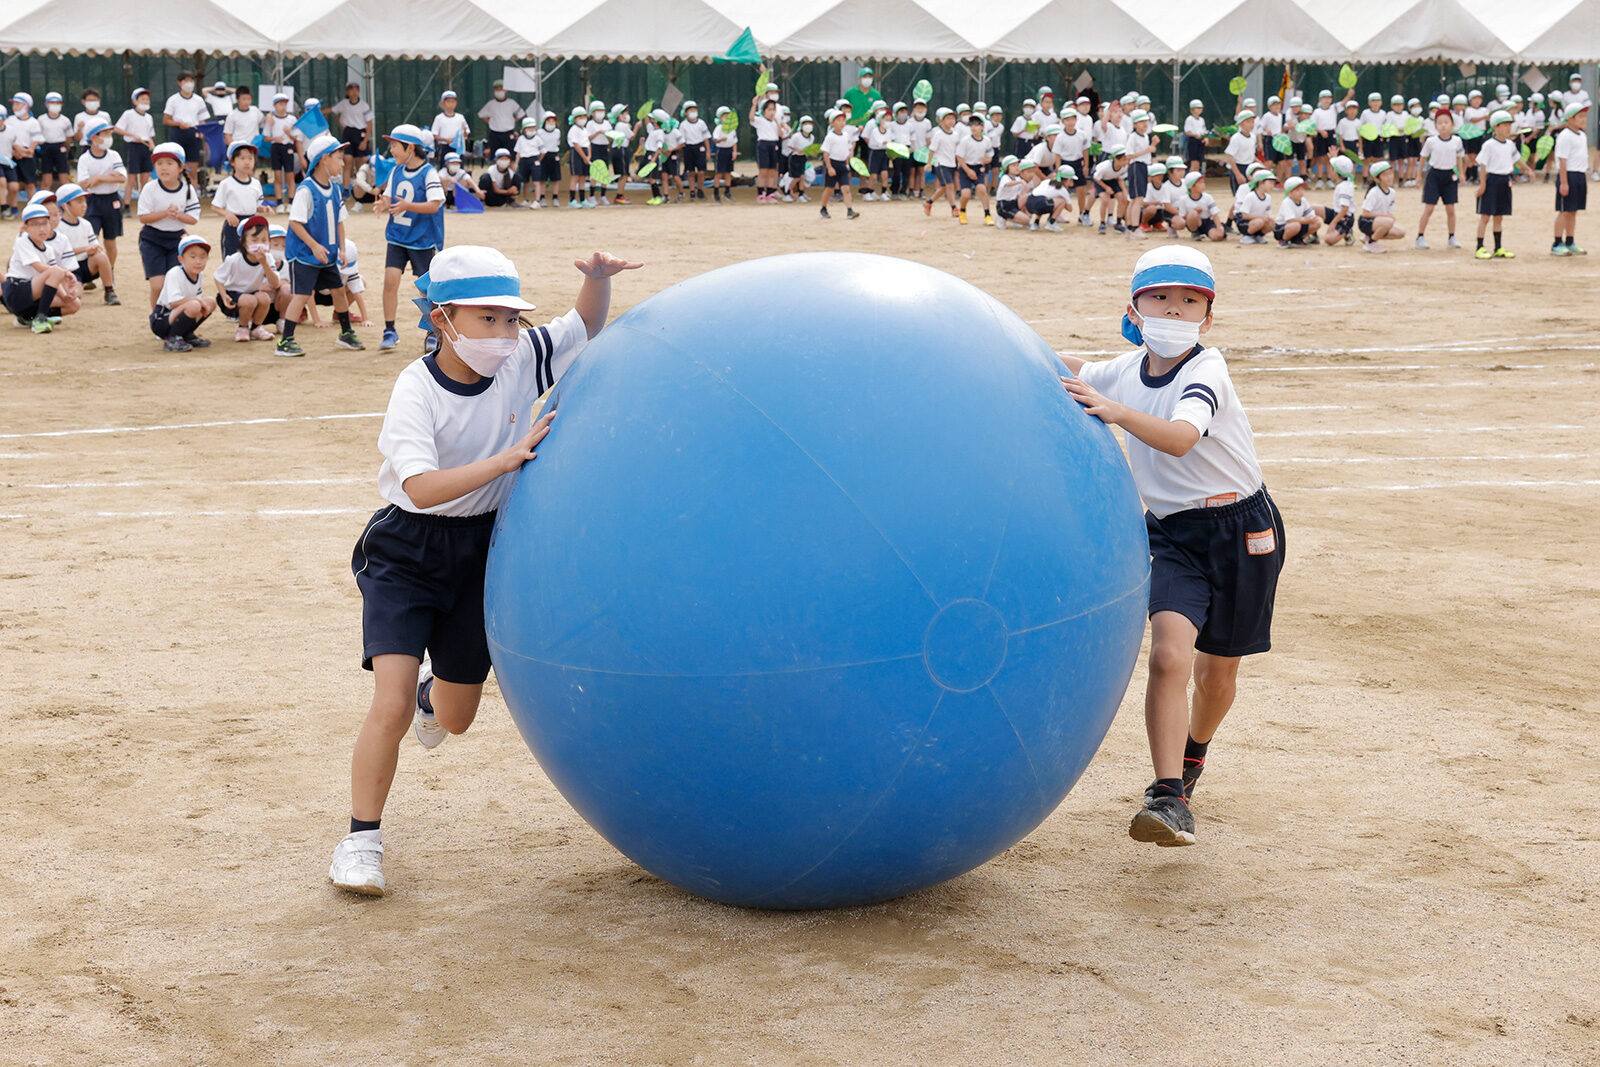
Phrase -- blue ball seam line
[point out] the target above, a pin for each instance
(720, 380)
(729, 674)
(911, 751)
(1038, 786)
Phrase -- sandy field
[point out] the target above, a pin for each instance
(1398, 844)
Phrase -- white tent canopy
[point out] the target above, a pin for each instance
(1358, 31)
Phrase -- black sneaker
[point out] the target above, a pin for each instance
(852, 213)
(112, 297)
(1164, 820)
(824, 212)
(348, 339)
(1191, 773)
(198, 342)
(288, 346)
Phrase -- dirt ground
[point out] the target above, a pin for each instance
(1398, 840)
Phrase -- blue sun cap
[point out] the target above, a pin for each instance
(1162, 267)
(472, 275)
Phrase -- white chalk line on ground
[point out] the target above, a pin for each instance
(1392, 431)
(1525, 457)
(1517, 484)
(194, 425)
(268, 513)
(191, 483)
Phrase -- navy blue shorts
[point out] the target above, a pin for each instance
(1577, 198)
(1218, 568)
(282, 158)
(972, 182)
(421, 582)
(17, 294)
(306, 279)
(767, 154)
(158, 250)
(724, 160)
(550, 166)
(399, 257)
(136, 157)
(104, 213)
(694, 157)
(1439, 186)
(53, 157)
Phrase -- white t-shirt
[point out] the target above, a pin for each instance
(766, 129)
(219, 104)
(155, 197)
(238, 275)
(1248, 201)
(725, 138)
(942, 144)
(1138, 142)
(242, 124)
(1572, 146)
(836, 144)
(796, 143)
(527, 145)
(93, 166)
(24, 254)
(1107, 171)
(356, 116)
(1371, 117)
(1269, 125)
(1326, 118)
(1379, 202)
(137, 127)
(436, 423)
(599, 133)
(1042, 157)
(1069, 147)
(60, 249)
(577, 136)
(1289, 211)
(1205, 203)
(55, 128)
(1442, 155)
(1497, 157)
(1009, 188)
(1344, 196)
(25, 132)
(1348, 129)
(446, 127)
(973, 151)
(1057, 192)
(190, 110)
(241, 198)
(1197, 391)
(501, 115)
(179, 287)
(655, 138)
(549, 139)
(1163, 195)
(918, 132)
(1241, 148)
(81, 123)
(1110, 134)
(1195, 126)
(280, 129)
(78, 235)
(875, 137)
(696, 132)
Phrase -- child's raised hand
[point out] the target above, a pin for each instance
(604, 265)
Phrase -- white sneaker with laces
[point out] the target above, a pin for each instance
(1421, 241)
(1452, 242)
(358, 863)
(426, 727)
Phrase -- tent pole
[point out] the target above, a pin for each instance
(1177, 90)
(983, 77)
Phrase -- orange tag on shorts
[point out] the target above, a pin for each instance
(1222, 500)
(1261, 544)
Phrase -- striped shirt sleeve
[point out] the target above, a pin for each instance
(1202, 395)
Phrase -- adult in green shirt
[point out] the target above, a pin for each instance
(862, 97)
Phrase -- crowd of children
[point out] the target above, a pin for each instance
(1102, 164)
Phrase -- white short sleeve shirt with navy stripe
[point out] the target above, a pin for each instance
(436, 423)
(1197, 391)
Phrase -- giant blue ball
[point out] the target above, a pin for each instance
(821, 590)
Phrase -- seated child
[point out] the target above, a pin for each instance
(456, 431)
(1297, 220)
(248, 284)
(183, 304)
(35, 287)
(1376, 221)
(92, 264)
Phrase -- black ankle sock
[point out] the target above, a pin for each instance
(1496, 241)
(183, 326)
(1480, 242)
(288, 328)
(47, 297)
(358, 825)
(425, 696)
(344, 320)
(1170, 787)
(1195, 751)
(388, 324)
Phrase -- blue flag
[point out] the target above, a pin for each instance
(312, 121)
(381, 166)
(467, 202)
(460, 144)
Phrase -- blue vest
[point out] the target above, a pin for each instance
(323, 225)
(411, 229)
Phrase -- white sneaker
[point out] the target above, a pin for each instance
(1421, 242)
(358, 863)
(1052, 227)
(423, 723)
(537, 204)
(868, 196)
(1033, 226)
(1452, 242)
(787, 199)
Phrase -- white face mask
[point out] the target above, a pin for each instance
(141, 108)
(1027, 109)
(866, 83)
(691, 115)
(186, 87)
(1169, 338)
(485, 355)
(54, 109)
(259, 250)
(499, 94)
(91, 106)
(453, 168)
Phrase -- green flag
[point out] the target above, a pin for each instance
(744, 50)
